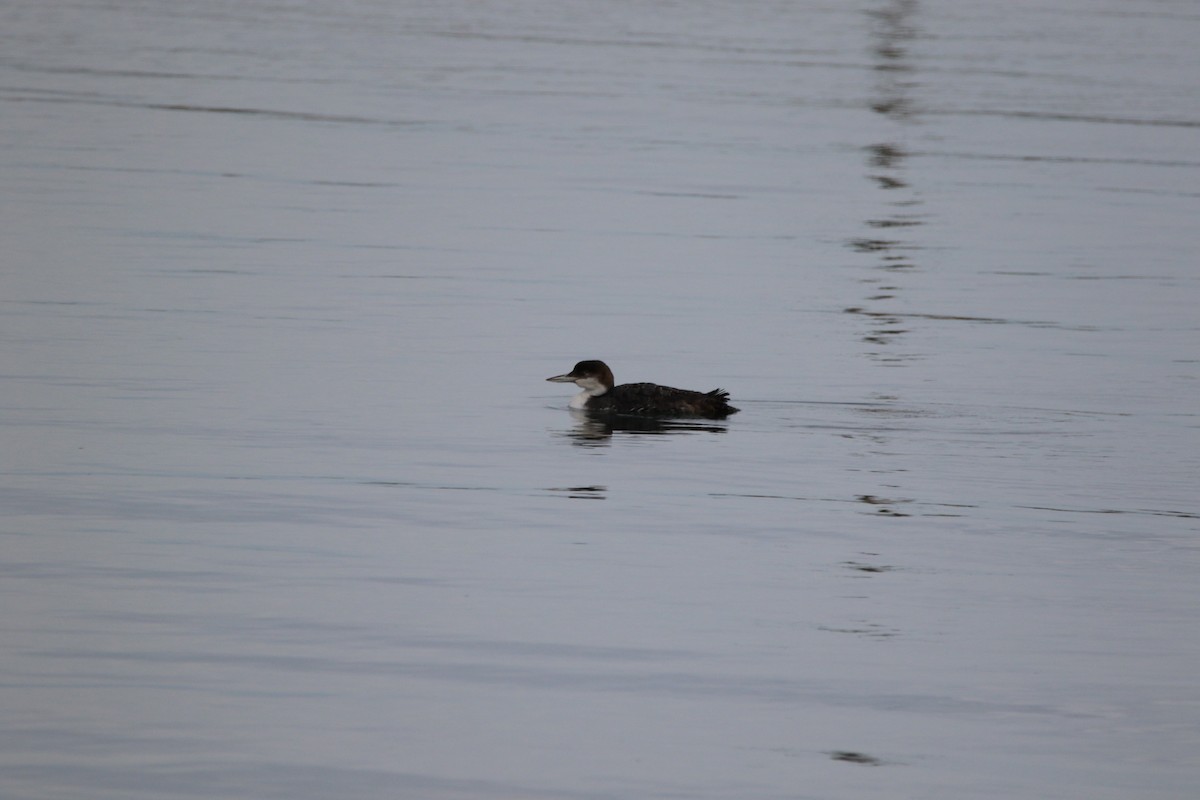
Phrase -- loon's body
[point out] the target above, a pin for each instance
(640, 399)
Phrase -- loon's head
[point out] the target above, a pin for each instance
(594, 377)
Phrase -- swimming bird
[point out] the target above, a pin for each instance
(600, 393)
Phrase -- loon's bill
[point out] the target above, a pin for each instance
(600, 393)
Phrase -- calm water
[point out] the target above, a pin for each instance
(288, 510)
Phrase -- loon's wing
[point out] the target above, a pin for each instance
(650, 399)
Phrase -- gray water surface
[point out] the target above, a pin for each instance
(288, 511)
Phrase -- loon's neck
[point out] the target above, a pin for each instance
(591, 388)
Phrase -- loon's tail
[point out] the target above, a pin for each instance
(722, 397)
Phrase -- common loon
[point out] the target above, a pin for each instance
(640, 399)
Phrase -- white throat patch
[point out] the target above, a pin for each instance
(591, 388)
